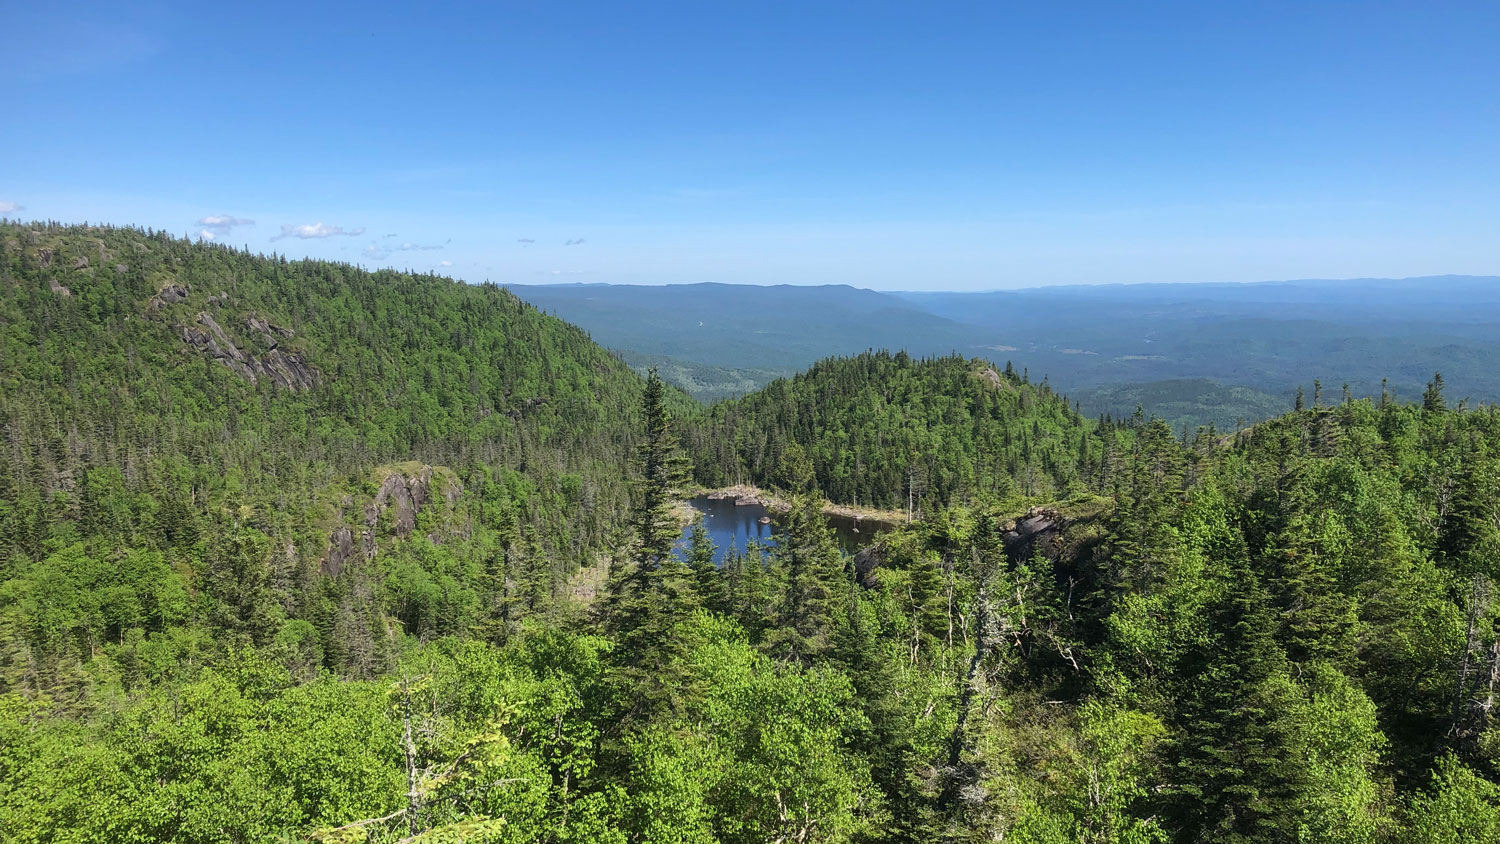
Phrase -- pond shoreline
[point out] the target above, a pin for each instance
(769, 500)
(736, 518)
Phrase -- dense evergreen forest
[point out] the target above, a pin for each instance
(246, 429)
(881, 429)
(292, 551)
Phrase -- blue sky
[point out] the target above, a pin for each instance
(894, 146)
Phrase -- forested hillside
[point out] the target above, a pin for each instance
(257, 440)
(291, 551)
(880, 427)
(1288, 635)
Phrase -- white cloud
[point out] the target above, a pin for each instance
(10, 208)
(218, 225)
(316, 230)
(575, 241)
(224, 221)
(445, 263)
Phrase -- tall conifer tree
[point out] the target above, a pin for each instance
(652, 590)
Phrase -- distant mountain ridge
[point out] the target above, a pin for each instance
(1388, 282)
(1223, 353)
(714, 335)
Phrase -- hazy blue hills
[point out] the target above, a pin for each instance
(747, 325)
(719, 340)
(1268, 337)
(1191, 353)
(1423, 290)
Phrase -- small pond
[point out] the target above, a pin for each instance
(733, 525)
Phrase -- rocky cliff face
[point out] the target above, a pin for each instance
(340, 551)
(237, 349)
(286, 368)
(405, 493)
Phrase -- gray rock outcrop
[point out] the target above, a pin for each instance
(287, 369)
(405, 495)
(1040, 530)
(340, 550)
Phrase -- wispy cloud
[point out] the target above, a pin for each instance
(445, 263)
(10, 208)
(315, 231)
(218, 225)
(575, 242)
(526, 241)
(380, 251)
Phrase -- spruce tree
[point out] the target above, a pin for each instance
(1432, 397)
(650, 591)
(708, 582)
(809, 569)
(1237, 765)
